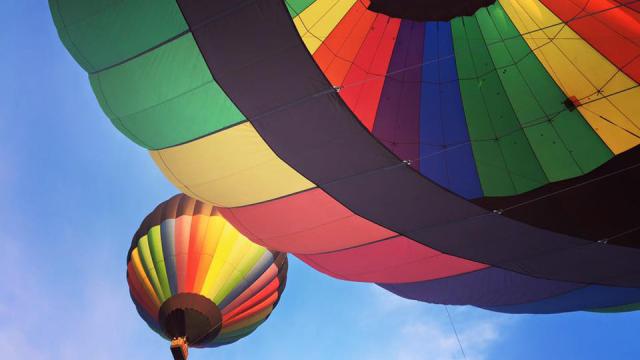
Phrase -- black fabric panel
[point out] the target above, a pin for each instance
(256, 55)
(598, 209)
(428, 10)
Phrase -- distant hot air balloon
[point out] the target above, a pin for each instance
(196, 280)
(475, 152)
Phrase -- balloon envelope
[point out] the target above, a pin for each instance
(471, 152)
(192, 275)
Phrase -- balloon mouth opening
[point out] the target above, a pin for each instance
(428, 10)
(190, 317)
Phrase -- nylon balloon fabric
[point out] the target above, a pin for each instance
(482, 152)
(192, 274)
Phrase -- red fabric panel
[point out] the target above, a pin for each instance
(337, 52)
(613, 30)
(196, 241)
(265, 279)
(266, 297)
(139, 294)
(304, 223)
(394, 260)
(363, 83)
(633, 4)
(265, 305)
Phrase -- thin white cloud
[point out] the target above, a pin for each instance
(424, 332)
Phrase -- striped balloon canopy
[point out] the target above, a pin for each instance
(479, 152)
(194, 277)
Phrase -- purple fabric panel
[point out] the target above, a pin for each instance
(485, 288)
(397, 123)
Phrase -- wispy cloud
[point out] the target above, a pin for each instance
(424, 331)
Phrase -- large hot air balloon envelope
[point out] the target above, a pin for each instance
(196, 280)
(464, 152)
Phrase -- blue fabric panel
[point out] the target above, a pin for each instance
(167, 233)
(445, 151)
(587, 298)
(487, 288)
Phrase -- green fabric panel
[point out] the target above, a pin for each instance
(155, 247)
(237, 334)
(101, 33)
(587, 148)
(295, 7)
(149, 268)
(239, 273)
(538, 102)
(506, 163)
(165, 97)
(523, 165)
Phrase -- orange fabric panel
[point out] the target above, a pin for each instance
(335, 55)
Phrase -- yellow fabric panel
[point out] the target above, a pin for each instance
(228, 269)
(581, 71)
(215, 225)
(226, 242)
(250, 256)
(143, 248)
(231, 168)
(137, 266)
(317, 21)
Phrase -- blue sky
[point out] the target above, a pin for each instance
(74, 190)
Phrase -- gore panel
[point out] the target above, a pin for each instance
(295, 7)
(563, 142)
(397, 123)
(365, 80)
(336, 54)
(610, 28)
(483, 288)
(590, 297)
(304, 223)
(603, 94)
(102, 33)
(446, 156)
(394, 260)
(506, 163)
(224, 168)
(165, 97)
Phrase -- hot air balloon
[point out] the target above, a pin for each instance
(475, 152)
(196, 280)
